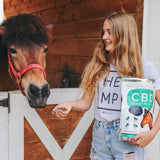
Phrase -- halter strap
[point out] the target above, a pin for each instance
(18, 75)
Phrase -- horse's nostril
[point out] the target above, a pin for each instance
(34, 91)
(45, 91)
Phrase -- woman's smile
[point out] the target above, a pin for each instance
(108, 36)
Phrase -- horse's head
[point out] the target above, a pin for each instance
(26, 39)
(147, 118)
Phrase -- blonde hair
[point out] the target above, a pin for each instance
(126, 53)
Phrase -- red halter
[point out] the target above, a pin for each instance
(19, 74)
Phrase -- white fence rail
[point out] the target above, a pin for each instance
(12, 126)
(3, 129)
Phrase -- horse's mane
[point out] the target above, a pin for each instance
(23, 30)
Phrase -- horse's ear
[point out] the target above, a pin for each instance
(49, 28)
(2, 30)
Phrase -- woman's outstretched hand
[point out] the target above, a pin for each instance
(62, 109)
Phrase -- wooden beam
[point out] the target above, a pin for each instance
(69, 64)
(29, 7)
(73, 47)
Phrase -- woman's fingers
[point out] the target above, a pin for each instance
(61, 110)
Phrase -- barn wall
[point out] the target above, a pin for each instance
(76, 32)
(72, 42)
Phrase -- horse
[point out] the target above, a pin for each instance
(147, 119)
(23, 46)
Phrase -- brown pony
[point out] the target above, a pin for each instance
(147, 119)
(23, 46)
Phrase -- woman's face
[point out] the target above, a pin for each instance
(107, 36)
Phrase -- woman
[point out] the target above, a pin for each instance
(117, 54)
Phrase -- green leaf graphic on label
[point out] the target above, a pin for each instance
(141, 97)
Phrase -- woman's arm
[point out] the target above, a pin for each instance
(156, 126)
(82, 105)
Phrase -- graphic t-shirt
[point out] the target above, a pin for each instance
(108, 96)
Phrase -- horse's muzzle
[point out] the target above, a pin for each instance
(37, 97)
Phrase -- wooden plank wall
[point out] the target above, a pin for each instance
(76, 32)
(72, 42)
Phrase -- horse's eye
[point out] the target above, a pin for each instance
(12, 50)
(45, 50)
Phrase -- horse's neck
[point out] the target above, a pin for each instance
(6, 83)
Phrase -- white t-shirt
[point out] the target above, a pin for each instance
(109, 98)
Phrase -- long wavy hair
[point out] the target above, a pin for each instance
(126, 53)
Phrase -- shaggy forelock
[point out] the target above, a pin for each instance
(24, 30)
